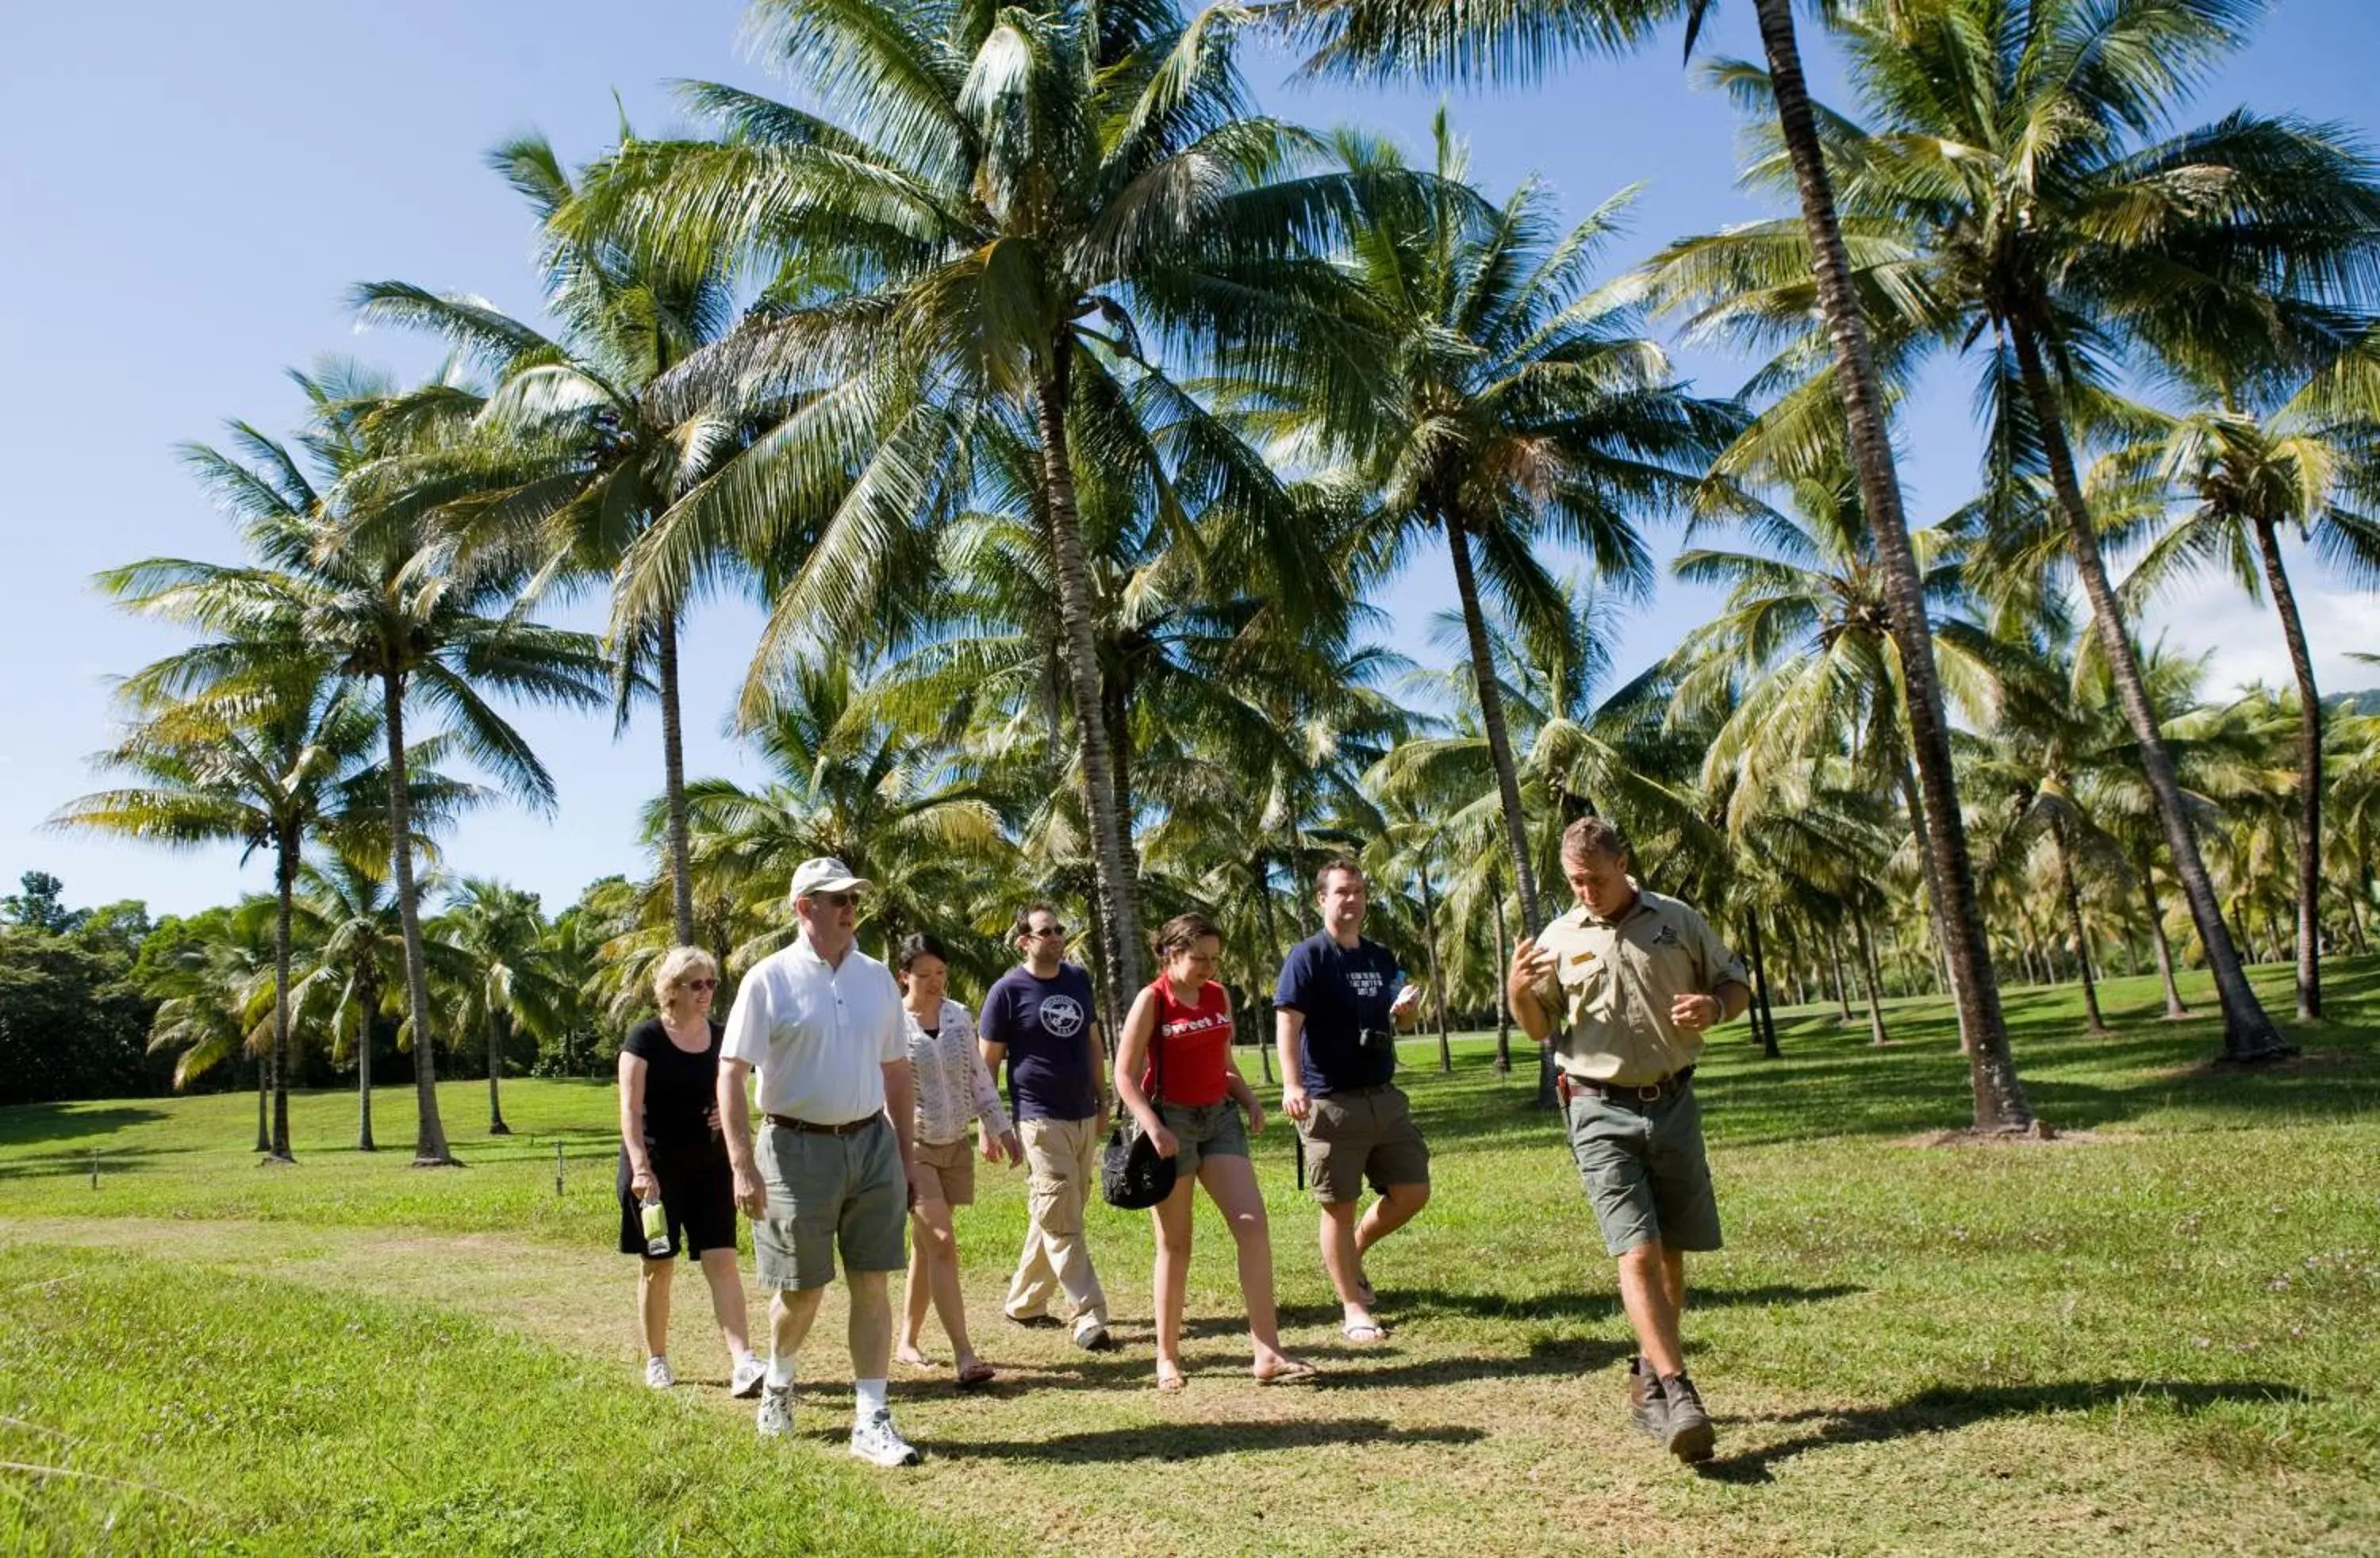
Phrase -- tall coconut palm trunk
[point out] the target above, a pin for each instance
(2284, 602)
(285, 891)
(1834, 962)
(1876, 1033)
(430, 1135)
(1999, 1102)
(1119, 886)
(1503, 1000)
(264, 1103)
(496, 1126)
(1764, 1021)
(2080, 935)
(1499, 752)
(2248, 1033)
(1437, 981)
(681, 849)
(367, 997)
(2174, 1010)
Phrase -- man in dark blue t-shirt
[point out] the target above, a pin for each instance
(1340, 1000)
(1038, 1017)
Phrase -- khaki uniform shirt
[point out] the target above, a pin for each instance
(1611, 988)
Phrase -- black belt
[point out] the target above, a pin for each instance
(849, 1127)
(1625, 1092)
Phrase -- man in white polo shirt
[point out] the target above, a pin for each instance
(821, 1021)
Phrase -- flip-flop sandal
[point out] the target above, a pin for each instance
(1363, 1335)
(977, 1373)
(1293, 1372)
(1171, 1384)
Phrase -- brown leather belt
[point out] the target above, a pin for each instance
(1624, 1092)
(849, 1127)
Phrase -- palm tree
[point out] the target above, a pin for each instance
(353, 563)
(1481, 39)
(357, 975)
(1028, 195)
(1516, 405)
(571, 441)
(511, 979)
(218, 998)
(2311, 465)
(1987, 210)
(266, 757)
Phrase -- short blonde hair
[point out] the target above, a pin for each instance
(675, 966)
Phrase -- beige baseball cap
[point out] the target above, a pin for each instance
(824, 873)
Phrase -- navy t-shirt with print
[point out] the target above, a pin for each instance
(1042, 1023)
(1343, 991)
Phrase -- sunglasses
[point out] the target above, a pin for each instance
(1057, 930)
(833, 900)
(700, 984)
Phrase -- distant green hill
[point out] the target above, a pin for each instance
(2364, 703)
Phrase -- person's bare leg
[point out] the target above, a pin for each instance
(653, 1306)
(1395, 1207)
(726, 1280)
(1172, 1216)
(916, 1294)
(791, 1312)
(1233, 1184)
(1645, 1292)
(1673, 1283)
(1342, 1261)
(871, 1324)
(939, 1245)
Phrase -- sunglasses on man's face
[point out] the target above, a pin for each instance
(702, 984)
(1057, 930)
(834, 900)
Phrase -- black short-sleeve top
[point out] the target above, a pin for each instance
(680, 1086)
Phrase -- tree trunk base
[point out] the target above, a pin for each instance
(497, 1128)
(425, 1162)
(2249, 1060)
(366, 1146)
(277, 1160)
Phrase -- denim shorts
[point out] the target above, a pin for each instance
(1204, 1130)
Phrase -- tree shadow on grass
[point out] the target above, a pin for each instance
(1592, 1307)
(1946, 1409)
(76, 1162)
(1190, 1442)
(50, 1121)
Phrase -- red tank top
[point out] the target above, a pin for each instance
(1196, 1040)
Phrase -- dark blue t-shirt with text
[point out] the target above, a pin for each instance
(1041, 1021)
(1343, 991)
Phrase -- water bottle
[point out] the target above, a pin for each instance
(657, 1238)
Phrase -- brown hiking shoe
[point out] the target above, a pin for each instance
(1686, 1428)
(1646, 1410)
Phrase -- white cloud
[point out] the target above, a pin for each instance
(2241, 639)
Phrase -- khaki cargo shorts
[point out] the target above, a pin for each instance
(1365, 1134)
(829, 1192)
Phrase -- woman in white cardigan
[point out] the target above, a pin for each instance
(954, 1089)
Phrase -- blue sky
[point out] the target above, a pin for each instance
(187, 192)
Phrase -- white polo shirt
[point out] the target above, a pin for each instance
(818, 1036)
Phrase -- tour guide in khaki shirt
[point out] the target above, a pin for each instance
(1627, 983)
(821, 1023)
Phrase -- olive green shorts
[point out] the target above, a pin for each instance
(1366, 1134)
(827, 1193)
(1645, 1171)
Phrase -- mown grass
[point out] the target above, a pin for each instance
(2156, 1336)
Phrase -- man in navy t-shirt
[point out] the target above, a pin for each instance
(1337, 1008)
(1038, 1017)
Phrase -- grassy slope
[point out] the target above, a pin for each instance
(2159, 1337)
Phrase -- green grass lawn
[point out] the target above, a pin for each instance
(2155, 1335)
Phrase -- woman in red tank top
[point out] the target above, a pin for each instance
(1173, 1070)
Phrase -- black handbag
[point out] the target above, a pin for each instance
(1132, 1174)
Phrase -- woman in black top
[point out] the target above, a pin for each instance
(670, 1147)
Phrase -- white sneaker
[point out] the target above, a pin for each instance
(657, 1374)
(745, 1383)
(879, 1443)
(776, 1419)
